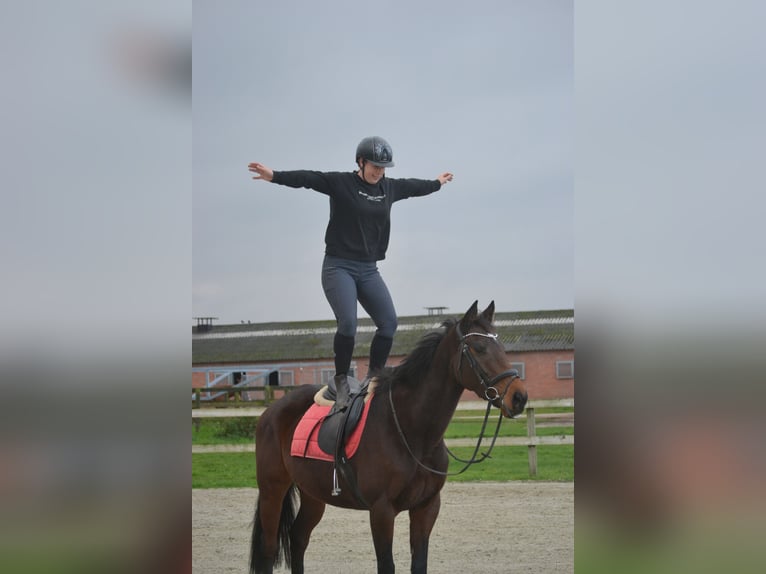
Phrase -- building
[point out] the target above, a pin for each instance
(540, 345)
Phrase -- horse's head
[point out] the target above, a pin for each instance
(482, 366)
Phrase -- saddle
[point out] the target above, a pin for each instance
(340, 422)
(337, 426)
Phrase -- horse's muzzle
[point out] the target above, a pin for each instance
(518, 402)
(515, 406)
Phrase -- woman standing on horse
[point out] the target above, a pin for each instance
(356, 239)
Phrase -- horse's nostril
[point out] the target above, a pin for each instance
(519, 398)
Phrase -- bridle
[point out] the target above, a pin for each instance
(490, 391)
(489, 385)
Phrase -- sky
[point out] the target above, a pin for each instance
(483, 92)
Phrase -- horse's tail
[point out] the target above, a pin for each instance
(286, 519)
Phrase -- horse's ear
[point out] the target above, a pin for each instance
(489, 312)
(470, 315)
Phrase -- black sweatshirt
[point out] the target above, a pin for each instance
(360, 213)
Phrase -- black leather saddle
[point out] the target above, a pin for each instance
(341, 422)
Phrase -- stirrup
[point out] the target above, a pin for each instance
(335, 488)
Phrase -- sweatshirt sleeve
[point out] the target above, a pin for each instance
(316, 180)
(404, 188)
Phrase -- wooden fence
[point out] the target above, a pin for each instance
(532, 440)
(232, 396)
(268, 394)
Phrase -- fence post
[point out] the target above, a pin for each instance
(532, 449)
(197, 398)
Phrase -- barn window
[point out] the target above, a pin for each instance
(286, 378)
(565, 369)
(328, 374)
(520, 368)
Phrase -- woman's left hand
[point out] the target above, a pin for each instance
(445, 177)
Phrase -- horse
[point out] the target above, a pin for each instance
(401, 461)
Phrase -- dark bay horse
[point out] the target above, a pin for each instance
(401, 461)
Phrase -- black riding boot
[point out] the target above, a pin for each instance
(342, 392)
(379, 351)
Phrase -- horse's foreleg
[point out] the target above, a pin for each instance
(382, 525)
(309, 515)
(422, 520)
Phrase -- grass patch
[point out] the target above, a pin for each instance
(240, 430)
(471, 429)
(223, 470)
(554, 462)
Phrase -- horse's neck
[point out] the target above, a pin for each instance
(433, 401)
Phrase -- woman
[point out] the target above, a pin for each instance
(356, 239)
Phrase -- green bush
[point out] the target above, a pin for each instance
(236, 427)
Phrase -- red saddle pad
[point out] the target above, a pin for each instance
(305, 442)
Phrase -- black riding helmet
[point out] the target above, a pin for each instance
(375, 150)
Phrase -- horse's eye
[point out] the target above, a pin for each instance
(481, 349)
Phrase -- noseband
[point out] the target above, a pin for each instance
(490, 391)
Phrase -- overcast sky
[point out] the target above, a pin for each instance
(484, 92)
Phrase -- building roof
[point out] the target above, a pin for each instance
(300, 341)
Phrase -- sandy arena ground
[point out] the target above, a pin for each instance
(483, 528)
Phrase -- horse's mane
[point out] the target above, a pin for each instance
(417, 363)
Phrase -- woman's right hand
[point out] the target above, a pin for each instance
(261, 171)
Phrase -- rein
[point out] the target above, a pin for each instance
(468, 463)
(488, 386)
